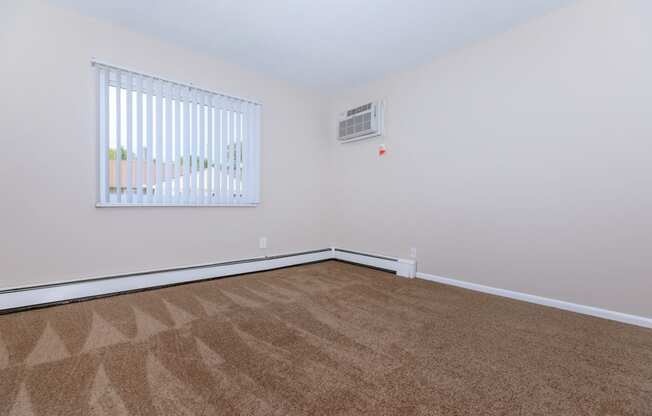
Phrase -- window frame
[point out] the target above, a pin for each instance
(246, 116)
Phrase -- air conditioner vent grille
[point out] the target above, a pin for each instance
(360, 109)
(361, 122)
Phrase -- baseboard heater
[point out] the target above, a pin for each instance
(15, 299)
(402, 267)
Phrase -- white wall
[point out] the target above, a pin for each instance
(523, 162)
(50, 228)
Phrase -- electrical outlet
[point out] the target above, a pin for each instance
(413, 252)
(262, 243)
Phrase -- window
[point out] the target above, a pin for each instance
(170, 144)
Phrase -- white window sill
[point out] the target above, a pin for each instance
(127, 205)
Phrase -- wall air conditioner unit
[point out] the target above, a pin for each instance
(362, 122)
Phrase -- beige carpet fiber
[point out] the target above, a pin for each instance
(322, 339)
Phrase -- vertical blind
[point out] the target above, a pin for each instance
(167, 143)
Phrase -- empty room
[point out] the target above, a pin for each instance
(326, 207)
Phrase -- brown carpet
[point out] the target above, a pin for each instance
(322, 339)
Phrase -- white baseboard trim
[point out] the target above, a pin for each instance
(26, 297)
(539, 300)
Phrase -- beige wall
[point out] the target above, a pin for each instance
(523, 162)
(50, 228)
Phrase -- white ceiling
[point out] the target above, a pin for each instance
(323, 44)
